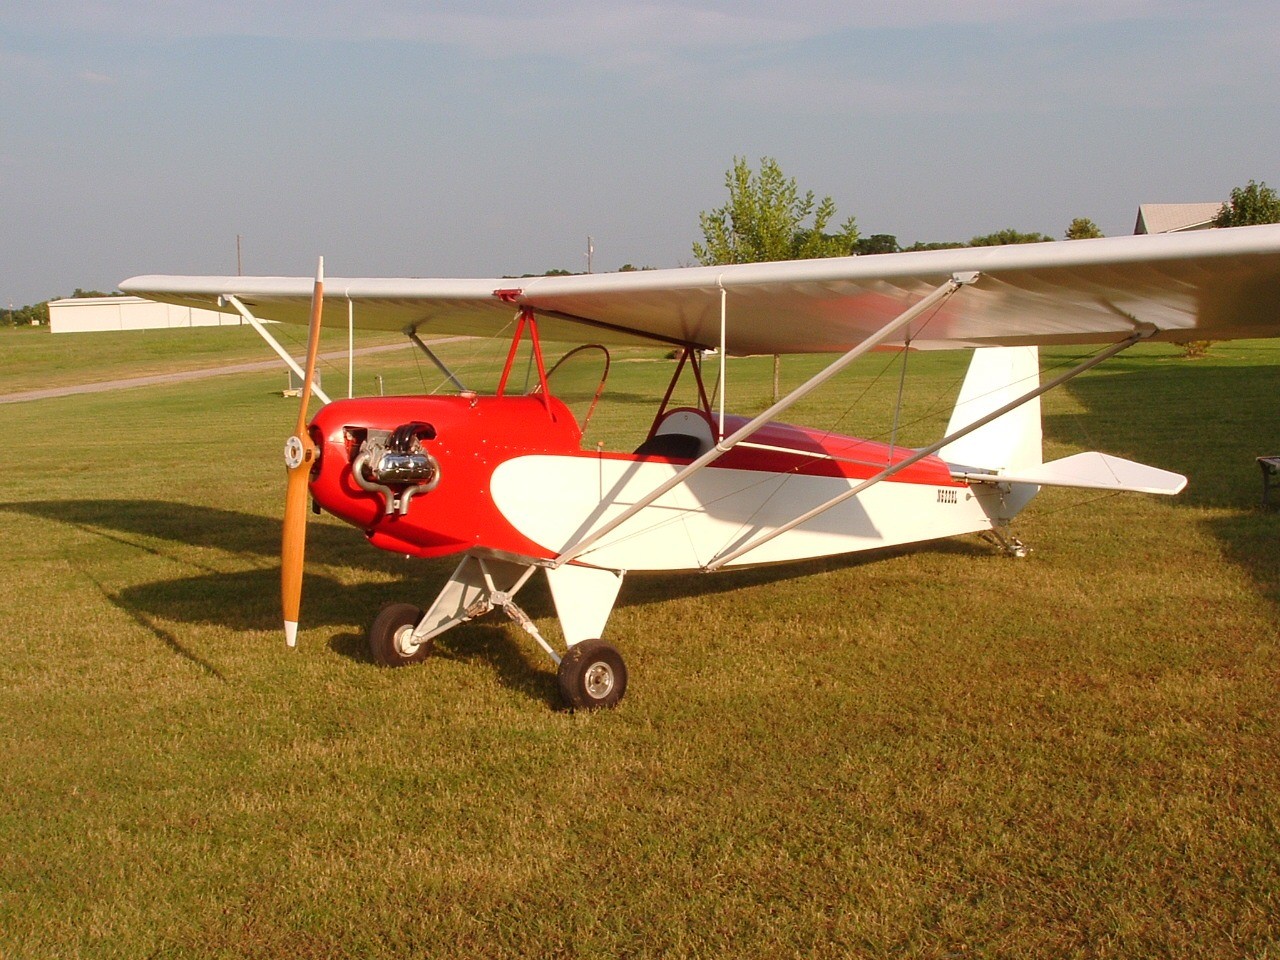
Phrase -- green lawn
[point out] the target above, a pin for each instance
(32, 358)
(933, 752)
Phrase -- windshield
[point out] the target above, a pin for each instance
(577, 379)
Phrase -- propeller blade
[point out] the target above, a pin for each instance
(299, 456)
(291, 553)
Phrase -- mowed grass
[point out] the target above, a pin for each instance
(32, 358)
(934, 751)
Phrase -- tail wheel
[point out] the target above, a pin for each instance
(592, 676)
(391, 636)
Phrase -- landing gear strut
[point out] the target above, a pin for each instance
(1008, 544)
(591, 673)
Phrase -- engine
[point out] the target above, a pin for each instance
(396, 465)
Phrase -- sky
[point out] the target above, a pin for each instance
(491, 138)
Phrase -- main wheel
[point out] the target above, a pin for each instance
(592, 675)
(391, 636)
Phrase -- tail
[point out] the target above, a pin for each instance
(1004, 458)
(997, 376)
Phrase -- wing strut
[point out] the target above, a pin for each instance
(273, 344)
(938, 296)
(1111, 351)
(413, 335)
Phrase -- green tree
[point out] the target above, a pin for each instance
(877, 243)
(36, 314)
(1082, 228)
(767, 219)
(1255, 203)
(1007, 235)
(935, 245)
(1250, 204)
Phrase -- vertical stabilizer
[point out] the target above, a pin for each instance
(997, 376)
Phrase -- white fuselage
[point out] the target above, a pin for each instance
(557, 500)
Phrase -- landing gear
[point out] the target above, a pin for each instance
(592, 676)
(1007, 543)
(391, 638)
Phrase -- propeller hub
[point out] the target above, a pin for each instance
(295, 452)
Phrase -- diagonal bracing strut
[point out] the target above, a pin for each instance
(412, 334)
(1111, 351)
(273, 344)
(942, 293)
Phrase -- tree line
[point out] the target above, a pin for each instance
(37, 314)
(767, 218)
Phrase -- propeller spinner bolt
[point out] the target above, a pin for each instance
(294, 453)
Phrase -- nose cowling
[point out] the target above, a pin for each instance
(447, 445)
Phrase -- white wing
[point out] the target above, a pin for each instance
(1210, 284)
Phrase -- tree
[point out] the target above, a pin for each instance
(35, 314)
(1008, 235)
(555, 272)
(1250, 204)
(935, 245)
(877, 243)
(765, 219)
(1255, 203)
(1082, 228)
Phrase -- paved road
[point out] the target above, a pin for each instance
(180, 376)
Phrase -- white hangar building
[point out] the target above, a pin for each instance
(90, 314)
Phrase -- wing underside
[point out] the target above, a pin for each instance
(1212, 285)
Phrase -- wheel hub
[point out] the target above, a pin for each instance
(598, 680)
(403, 639)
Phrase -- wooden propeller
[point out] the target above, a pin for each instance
(299, 457)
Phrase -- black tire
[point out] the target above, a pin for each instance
(592, 676)
(389, 626)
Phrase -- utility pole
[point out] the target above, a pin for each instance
(591, 249)
(239, 264)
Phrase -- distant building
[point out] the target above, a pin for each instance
(89, 314)
(1176, 217)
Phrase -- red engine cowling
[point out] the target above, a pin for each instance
(413, 472)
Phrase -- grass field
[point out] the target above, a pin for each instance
(31, 358)
(934, 752)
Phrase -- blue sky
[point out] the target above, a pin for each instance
(489, 138)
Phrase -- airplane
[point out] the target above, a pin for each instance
(502, 480)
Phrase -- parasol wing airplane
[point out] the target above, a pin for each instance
(502, 479)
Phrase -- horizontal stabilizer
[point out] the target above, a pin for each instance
(1097, 471)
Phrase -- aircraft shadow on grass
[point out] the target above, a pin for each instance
(248, 599)
(1210, 423)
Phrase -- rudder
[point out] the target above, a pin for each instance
(997, 376)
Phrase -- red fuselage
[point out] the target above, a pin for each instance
(473, 435)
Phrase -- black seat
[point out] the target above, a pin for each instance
(673, 446)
